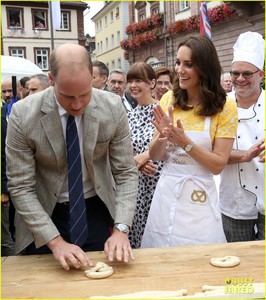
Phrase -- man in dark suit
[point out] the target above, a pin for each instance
(117, 84)
(37, 165)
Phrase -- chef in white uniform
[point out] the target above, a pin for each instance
(242, 181)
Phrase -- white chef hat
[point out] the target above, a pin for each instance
(249, 47)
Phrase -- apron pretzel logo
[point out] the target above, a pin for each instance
(199, 196)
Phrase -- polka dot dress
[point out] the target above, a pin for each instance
(141, 135)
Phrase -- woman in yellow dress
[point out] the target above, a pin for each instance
(195, 129)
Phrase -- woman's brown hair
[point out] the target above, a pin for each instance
(142, 71)
(206, 62)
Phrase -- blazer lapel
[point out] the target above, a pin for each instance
(91, 125)
(52, 127)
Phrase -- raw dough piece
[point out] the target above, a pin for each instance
(226, 261)
(147, 295)
(101, 270)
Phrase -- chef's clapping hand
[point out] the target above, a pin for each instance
(118, 246)
(262, 153)
(255, 151)
(149, 168)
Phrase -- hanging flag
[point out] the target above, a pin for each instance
(56, 14)
(205, 27)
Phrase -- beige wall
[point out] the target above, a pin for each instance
(114, 53)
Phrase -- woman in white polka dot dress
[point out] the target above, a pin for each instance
(141, 80)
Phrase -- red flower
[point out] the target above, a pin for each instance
(216, 15)
(145, 25)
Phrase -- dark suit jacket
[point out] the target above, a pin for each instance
(3, 146)
(132, 101)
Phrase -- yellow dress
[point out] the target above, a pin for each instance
(223, 124)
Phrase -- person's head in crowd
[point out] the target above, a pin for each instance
(117, 82)
(164, 80)
(198, 76)
(141, 80)
(226, 82)
(7, 91)
(38, 83)
(71, 76)
(100, 75)
(247, 65)
(24, 87)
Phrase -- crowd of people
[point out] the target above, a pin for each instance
(147, 144)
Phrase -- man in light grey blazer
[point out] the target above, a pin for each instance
(37, 164)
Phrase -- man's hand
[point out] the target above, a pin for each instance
(118, 246)
(68, 254)
(254, 151)
(4, 199)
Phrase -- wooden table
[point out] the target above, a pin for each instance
(41, 276)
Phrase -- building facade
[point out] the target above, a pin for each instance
(110, 23)
(155, 42)
(26, 29)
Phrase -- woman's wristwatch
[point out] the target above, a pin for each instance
(189, 147)
(122, 227)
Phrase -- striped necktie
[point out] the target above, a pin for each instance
(77, 205)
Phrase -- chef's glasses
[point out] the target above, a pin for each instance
(246, 75)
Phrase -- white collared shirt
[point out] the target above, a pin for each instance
(87, 184)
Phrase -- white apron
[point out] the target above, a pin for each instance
(184, 208)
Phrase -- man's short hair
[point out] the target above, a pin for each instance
(103, 69)
(118, 71)
(45, 83)
(23, 80)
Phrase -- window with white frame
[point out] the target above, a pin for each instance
(18, 51)
(106, 44)
(118, 37)
(113, 64)
(65, 20)
(98, 48)
(100, 25)
(119, 65)
(142, 16)
(154, 7)
(97, 27)
(106, 21)
(14, 17)
(117, 12)
(183, 5)
(112, 17)
(41, 57)
(101, 46)
(112, 41)
(155, 11)
(40, 20)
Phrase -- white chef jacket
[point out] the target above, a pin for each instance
(241, 194)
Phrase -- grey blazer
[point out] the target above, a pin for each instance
(37, 163)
